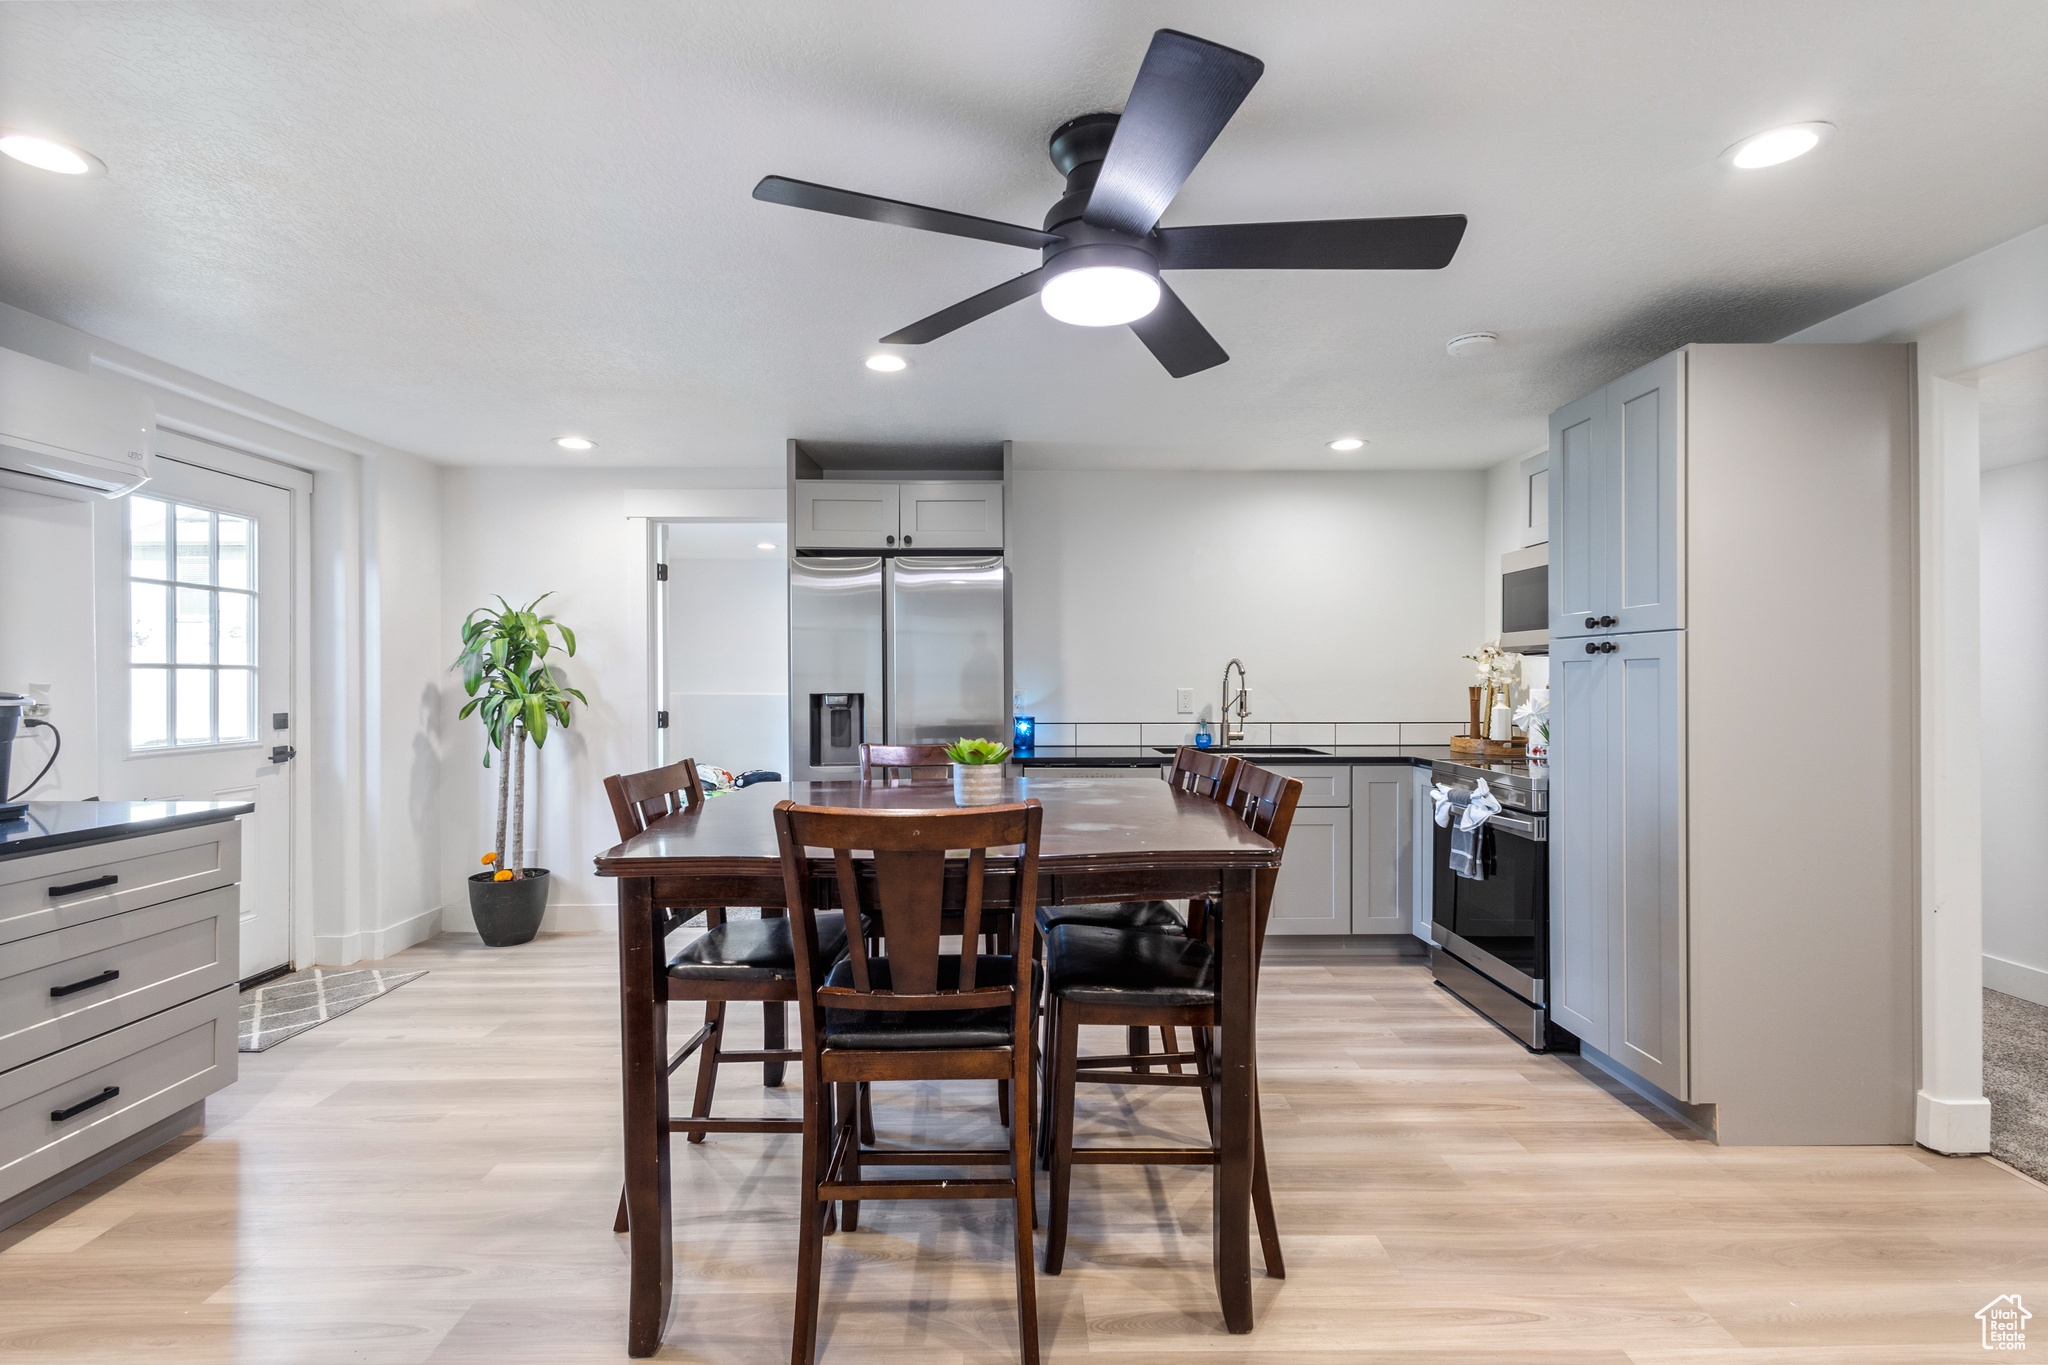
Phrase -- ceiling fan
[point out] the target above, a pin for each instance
(1102, 243)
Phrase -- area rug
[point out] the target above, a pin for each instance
(2016, 1081)
(292, 1004)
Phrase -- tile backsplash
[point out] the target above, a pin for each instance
(1123, 734)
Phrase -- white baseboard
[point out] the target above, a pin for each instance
(561, 918)
(343, 950)
(2016, 978)
(1952, 1127)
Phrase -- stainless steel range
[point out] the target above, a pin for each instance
(1492, 935)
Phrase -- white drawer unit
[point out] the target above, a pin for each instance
(62, 1109)
(67, 886)
(118, 991)
(1321, 784)
(62, 988)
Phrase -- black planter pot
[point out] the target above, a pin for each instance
(509, 912)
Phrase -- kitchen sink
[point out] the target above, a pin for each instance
(1262, 750)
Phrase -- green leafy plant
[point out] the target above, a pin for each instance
(518, 694)
(977, 751)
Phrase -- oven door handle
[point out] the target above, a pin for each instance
(1535, 828)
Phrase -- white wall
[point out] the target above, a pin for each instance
(1349, 596)
(1987, 308)
(2015, 559)
(46, 634)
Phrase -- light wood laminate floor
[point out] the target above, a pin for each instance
(433, 1177)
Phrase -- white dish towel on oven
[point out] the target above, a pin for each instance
(1470, 810)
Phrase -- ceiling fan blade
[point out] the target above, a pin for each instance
(1329, 244)
(968, 310)
(1176, 338)
(1186, 90)
(801, 194)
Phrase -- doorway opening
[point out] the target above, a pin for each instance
(722, 646)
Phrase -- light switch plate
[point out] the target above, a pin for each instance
(1184, 701)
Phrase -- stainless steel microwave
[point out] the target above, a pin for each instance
(1525, 600)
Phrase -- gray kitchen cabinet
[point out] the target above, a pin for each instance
(1383, 862)
(843, 515)
(950, 516)
(1727, 932)
(1313, 895)
(1617, 499)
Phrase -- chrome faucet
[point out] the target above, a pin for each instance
(1243, 702)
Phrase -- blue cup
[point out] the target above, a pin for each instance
(1026, 729)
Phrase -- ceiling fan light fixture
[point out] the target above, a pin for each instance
(46, 154)
(1100, 295)
(1347, 443)
(886, 363)
(1777, 146)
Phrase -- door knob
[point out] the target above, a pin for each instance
(283, 753)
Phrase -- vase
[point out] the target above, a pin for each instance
(977, 784)
(509, 912)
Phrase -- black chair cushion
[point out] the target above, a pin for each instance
(1156, 916)
(754, 950)
(1132, 967)
(874, 1030)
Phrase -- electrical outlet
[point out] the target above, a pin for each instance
(1183, 701)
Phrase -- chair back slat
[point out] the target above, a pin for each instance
(1265, 801)
(639, 799)
(922, 762)
(905, 897)
(1202, 772)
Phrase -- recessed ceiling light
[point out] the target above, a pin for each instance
(1100, 295)
(46, 155)
(575, 443)
(765, 545)
(1777, 146)
(1472, 343)
(1347, 443)
(886, 363)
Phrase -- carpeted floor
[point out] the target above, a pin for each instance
(2016, 1080)
(292, 1004)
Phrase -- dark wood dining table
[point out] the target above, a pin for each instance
(1105, 839)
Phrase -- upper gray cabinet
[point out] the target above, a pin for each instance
(843, 516)
(1616, 505)
(849, 514)
(950, 516)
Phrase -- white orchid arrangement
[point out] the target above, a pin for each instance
(1497, 667)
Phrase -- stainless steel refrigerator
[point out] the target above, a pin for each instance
(894, 650)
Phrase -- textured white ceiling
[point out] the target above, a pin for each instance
(464, 228)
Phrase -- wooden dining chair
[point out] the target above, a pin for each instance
(920, 762)
(1137, 979)
(736, 960)
(918, 1014)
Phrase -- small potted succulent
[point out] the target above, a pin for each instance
(977, 770)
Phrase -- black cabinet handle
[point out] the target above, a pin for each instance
(906, 540)
(1592, 623)
(890, 539)
(107, 880)
(1607, 620)
(1608, 646)
(1592, 646)
(102, 979)
(59, 1115)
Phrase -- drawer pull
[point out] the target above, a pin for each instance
(59, 1115)
(96, 882)
(102, 979)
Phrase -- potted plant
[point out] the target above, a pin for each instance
(977, 770)
(518, 694)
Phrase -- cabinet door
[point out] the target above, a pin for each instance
(1580, 868)
(835, 515)
(1313, 895)
(1582, 485)
(1646, 421)
(950, 516)
(1646, 792)
(1382, 849)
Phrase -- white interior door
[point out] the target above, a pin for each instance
(722, 652)
(196, 605)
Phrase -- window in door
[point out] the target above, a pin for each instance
(192, 639)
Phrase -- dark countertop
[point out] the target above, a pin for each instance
(65, 824)
(1148, 756)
